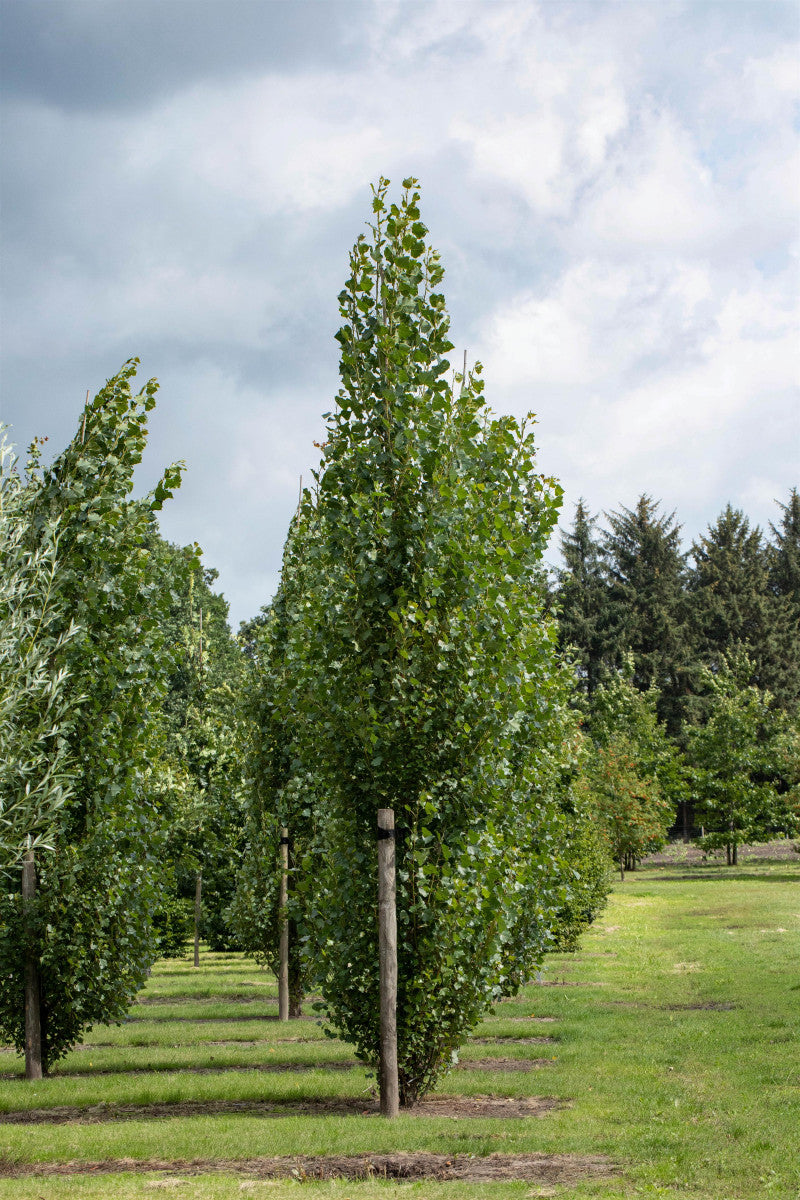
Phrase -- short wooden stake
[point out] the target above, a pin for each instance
(283, 917)
(198, 907)
(387, 949)
(33, 1015)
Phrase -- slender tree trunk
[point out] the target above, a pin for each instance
(735, 855)
(198, 908)
(283, 899)
(387, 948)
(33, 1016)
(295, 997)
(622, 867)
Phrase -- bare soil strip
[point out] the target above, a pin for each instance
(511, 1041)
(193, 998)
(549, 1168)
(527, 1020)
(567, 983)
(700, 1006)
(219, 1020)
(437, 1106)
(277, 1068)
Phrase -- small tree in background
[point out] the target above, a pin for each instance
(425, 668)
(90, 926)
(736, 756)
(628, 804)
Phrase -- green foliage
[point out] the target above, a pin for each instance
(92, 923)
(585, 620)
(201, 759)
(627, 803)
(646, 577)
(281, 790)
(36, 705)
(584, 854)
(739, 755)
(734, 608)
(588, 885)
(634, 773)
(618, 706)
(173, 922)
(425, 667)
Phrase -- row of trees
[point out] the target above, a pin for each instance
(408, 666)
(707, 644)
(630, 589)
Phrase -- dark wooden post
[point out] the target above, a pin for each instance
(283, 917)
(387, 944)
(198, 907)
(33, 1016)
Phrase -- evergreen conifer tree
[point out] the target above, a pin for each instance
(783, 555)
(646, 574)
(582, 595)
(731, 605)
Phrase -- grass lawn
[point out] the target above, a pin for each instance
(671, 1043)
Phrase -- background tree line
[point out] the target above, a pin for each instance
(709, 639)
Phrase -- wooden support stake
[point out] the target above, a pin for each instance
(198, 907)
(283, 900)
(33, 1015)
(387, 949)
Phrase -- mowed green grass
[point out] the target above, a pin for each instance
(677, 1054)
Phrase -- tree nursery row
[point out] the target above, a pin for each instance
(161, 777)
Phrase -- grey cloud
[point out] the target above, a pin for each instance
(117, 54)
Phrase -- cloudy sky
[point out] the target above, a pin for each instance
(614, 188)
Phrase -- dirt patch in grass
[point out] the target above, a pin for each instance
(542, 1168)
(567, 983)
(504, 1064)
(436, 1106)
(219, 1020)
(700, 1006)
(207, 998)
(511, 1041)
(526, 1020)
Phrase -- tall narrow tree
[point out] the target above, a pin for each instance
(90, 924)
(425, 666)
(584, 613)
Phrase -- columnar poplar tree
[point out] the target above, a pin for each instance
(203, 750)
(426, 667)
(36, 708)
(90, 926)
(281, 789)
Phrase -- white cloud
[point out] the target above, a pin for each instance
(647, 380)
(616, 204)
(654, 193)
